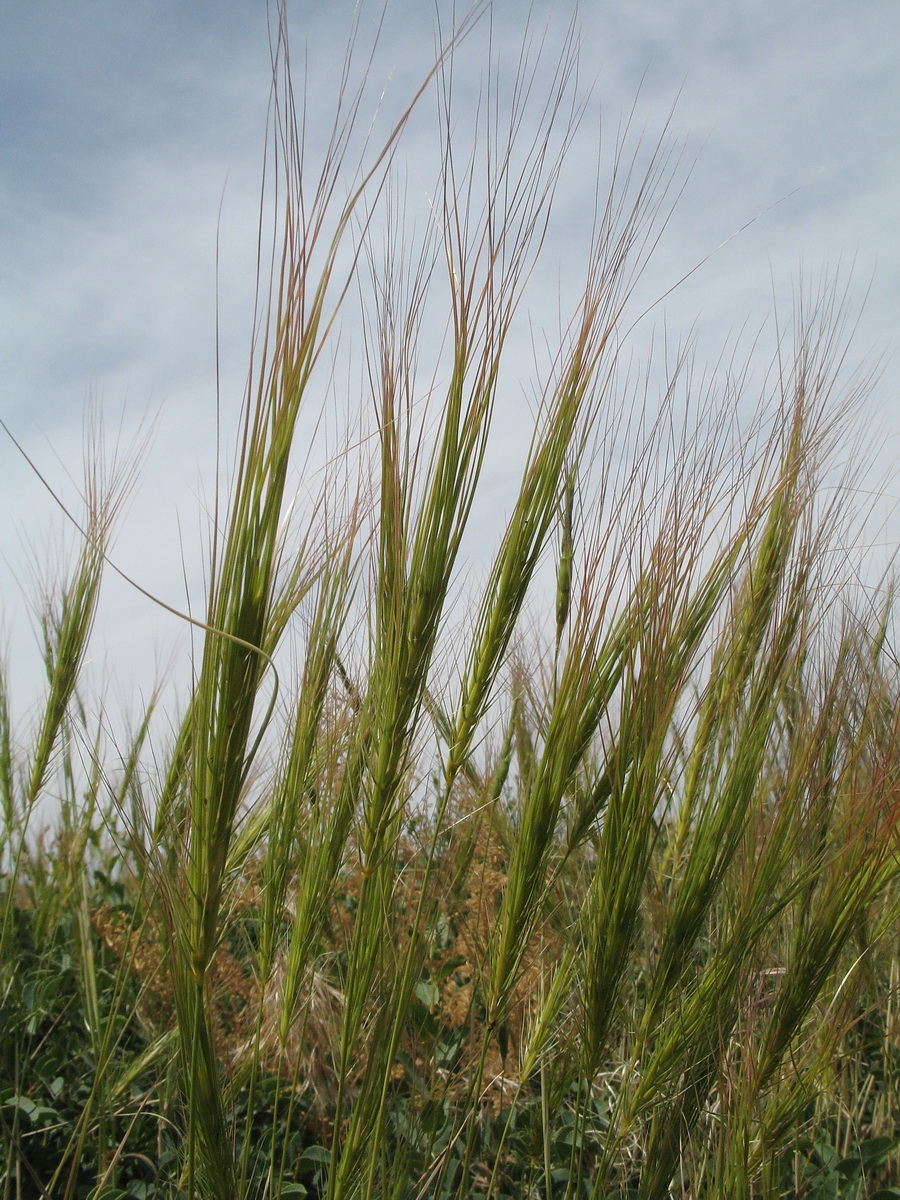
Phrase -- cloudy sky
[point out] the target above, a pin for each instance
(131, 143)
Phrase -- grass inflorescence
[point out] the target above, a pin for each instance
(576, 879)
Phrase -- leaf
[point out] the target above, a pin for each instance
(827, 1155)
(434, 1116)
(37, 1114)
(314, 1156)
(22, 1103)
(874, 1151)
(428, 993)
(452, 964)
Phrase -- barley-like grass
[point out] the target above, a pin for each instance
(590, 893)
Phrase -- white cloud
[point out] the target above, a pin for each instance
(125, 124)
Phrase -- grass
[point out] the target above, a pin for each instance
(419, 902)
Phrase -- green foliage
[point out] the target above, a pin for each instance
(828, 1176)
(52, 1070)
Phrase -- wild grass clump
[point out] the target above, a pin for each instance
(505, 890)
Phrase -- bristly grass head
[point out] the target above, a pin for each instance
(579, 895)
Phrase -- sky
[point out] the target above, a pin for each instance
(131, 157)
